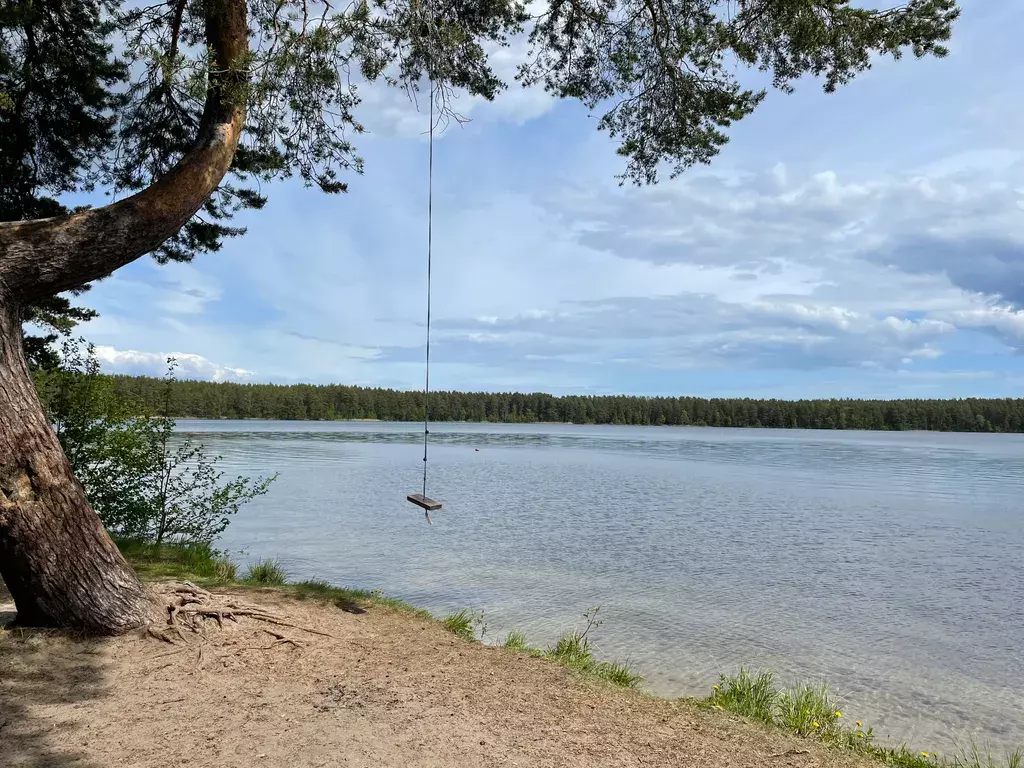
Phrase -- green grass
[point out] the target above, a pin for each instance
(265, 573)
(516, 641)
(199, 563)
(751, 696)
(351, 600)
(463, 624)
(813, 712)
(574, 650)
(204, 565)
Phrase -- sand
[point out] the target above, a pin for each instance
(377, 688)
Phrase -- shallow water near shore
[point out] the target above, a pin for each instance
(888, 564)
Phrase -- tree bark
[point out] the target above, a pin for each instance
(56, 558)
(58, 562)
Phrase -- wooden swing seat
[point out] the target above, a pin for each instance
(424, 501)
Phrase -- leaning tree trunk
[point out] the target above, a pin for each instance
(55, 556)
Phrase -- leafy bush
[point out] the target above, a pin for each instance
(145, 482)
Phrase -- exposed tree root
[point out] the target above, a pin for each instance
(190, 608)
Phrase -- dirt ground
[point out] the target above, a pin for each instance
(378, 688)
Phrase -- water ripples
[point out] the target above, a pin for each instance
(888, 564)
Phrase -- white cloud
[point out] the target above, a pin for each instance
(189, 366)
(395, 113)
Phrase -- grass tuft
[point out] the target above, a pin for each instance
(265, 573)
(462, 624)
(618, 673)
(809, 710)
(752, 696)
(812, 711)
(516, 641)
(573, 650)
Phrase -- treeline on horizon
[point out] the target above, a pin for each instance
(229, 400)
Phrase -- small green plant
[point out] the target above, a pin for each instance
(618, 673)
(515, 641)
(753, 696)
(265, 573)
(224, 569)
(809, 710)
(575, 651)
(464, 624)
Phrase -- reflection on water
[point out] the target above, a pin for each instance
(888, 564)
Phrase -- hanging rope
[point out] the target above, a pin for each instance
(430, 227)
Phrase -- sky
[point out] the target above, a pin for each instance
(866, 243)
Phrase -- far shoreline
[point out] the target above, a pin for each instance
(741, 427)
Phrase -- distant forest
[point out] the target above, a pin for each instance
(226, 400)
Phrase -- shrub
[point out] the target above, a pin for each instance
(146, 483)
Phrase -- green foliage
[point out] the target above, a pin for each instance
(351, 599)
(265, 573)
(618, 673)
(667, 71)
(664, 76)
(809, 709)
(812, 711)
(58, 82)
(144, 483)
(464, 624)
(806, 710)
(217, 400)
(575, 651)
(183, 561)
(752, 696)
(516, 641)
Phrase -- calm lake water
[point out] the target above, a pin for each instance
(888, 564)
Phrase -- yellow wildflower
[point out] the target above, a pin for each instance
(815, 724)
(838, 713)
(859, 723)
(924, 754)
(715, 687)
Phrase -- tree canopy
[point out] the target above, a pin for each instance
(110, 94)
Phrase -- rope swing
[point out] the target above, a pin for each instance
(421, 499)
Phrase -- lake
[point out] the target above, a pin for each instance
(888, 564)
